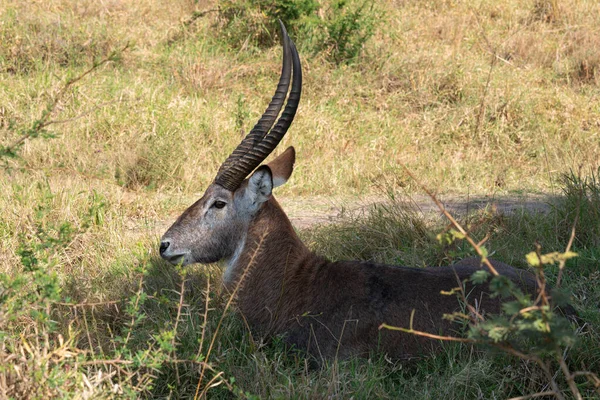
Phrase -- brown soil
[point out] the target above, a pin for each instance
(306, 212)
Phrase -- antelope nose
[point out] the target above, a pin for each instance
(164, 245)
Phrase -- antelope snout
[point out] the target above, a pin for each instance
(169, 254)
(164, 246)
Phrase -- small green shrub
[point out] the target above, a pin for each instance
(346, 28)
(339, 30)
(255, 22)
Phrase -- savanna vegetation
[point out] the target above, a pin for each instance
(115, 115)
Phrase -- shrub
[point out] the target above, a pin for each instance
(340, 29)
(255, 22)
(346, 28)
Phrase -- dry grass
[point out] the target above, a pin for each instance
(153, 127)
(167, 114)
(489, 99)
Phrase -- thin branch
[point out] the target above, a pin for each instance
(561, 264)
(533, 396)
(44, 121)
(187, 23)
(482, 105)
(251, 263)
(79, 116)
(135, 307)
(473, 310)
(592, 378)
(429, 335)
(454, 222)
(179, 307)
(198, 14)
(118, 361)
(211, 384)
(570, 378)
(206, 303)
(100, 303)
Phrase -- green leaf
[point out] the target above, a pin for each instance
(541, 326)
(479, 277)
(511, 307)
(501, 285)
(497, 333)
(456, 234)
(551, 258)
(484, 252)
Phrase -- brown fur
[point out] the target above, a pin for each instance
(326, 308)
(335, 308)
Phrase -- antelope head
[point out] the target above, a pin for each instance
(214, 227)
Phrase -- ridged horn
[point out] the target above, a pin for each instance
(260, 142)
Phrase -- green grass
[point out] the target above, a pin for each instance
(139, 139)
(138, 304)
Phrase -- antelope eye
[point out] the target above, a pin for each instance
(219, 204)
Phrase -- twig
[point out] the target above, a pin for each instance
(118, 361)
(476, 314)
(561, 263)
(83, 114)
(454, 222)
(540, 277)
(206, 302)
(87, 332)
(569, 377)
(533, 396)
(551, 380)
(187, 23)
(494, 60)
(592, 377)
(199, 14)
(429, 335)
(135, 308)
(231, 298)
(179, 307)
(43, 121)
(101, 303)
(211, 384)
(482, 104)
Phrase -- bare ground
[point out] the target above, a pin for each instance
(305, 212)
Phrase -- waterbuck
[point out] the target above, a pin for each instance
(326, 308)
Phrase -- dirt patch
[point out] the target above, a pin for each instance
(307, 212)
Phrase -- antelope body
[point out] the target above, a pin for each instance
(326, 308)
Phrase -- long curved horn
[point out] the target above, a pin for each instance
(259, 143)
(287, 116)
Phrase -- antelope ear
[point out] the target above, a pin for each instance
(282, 167)
(260, 186)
